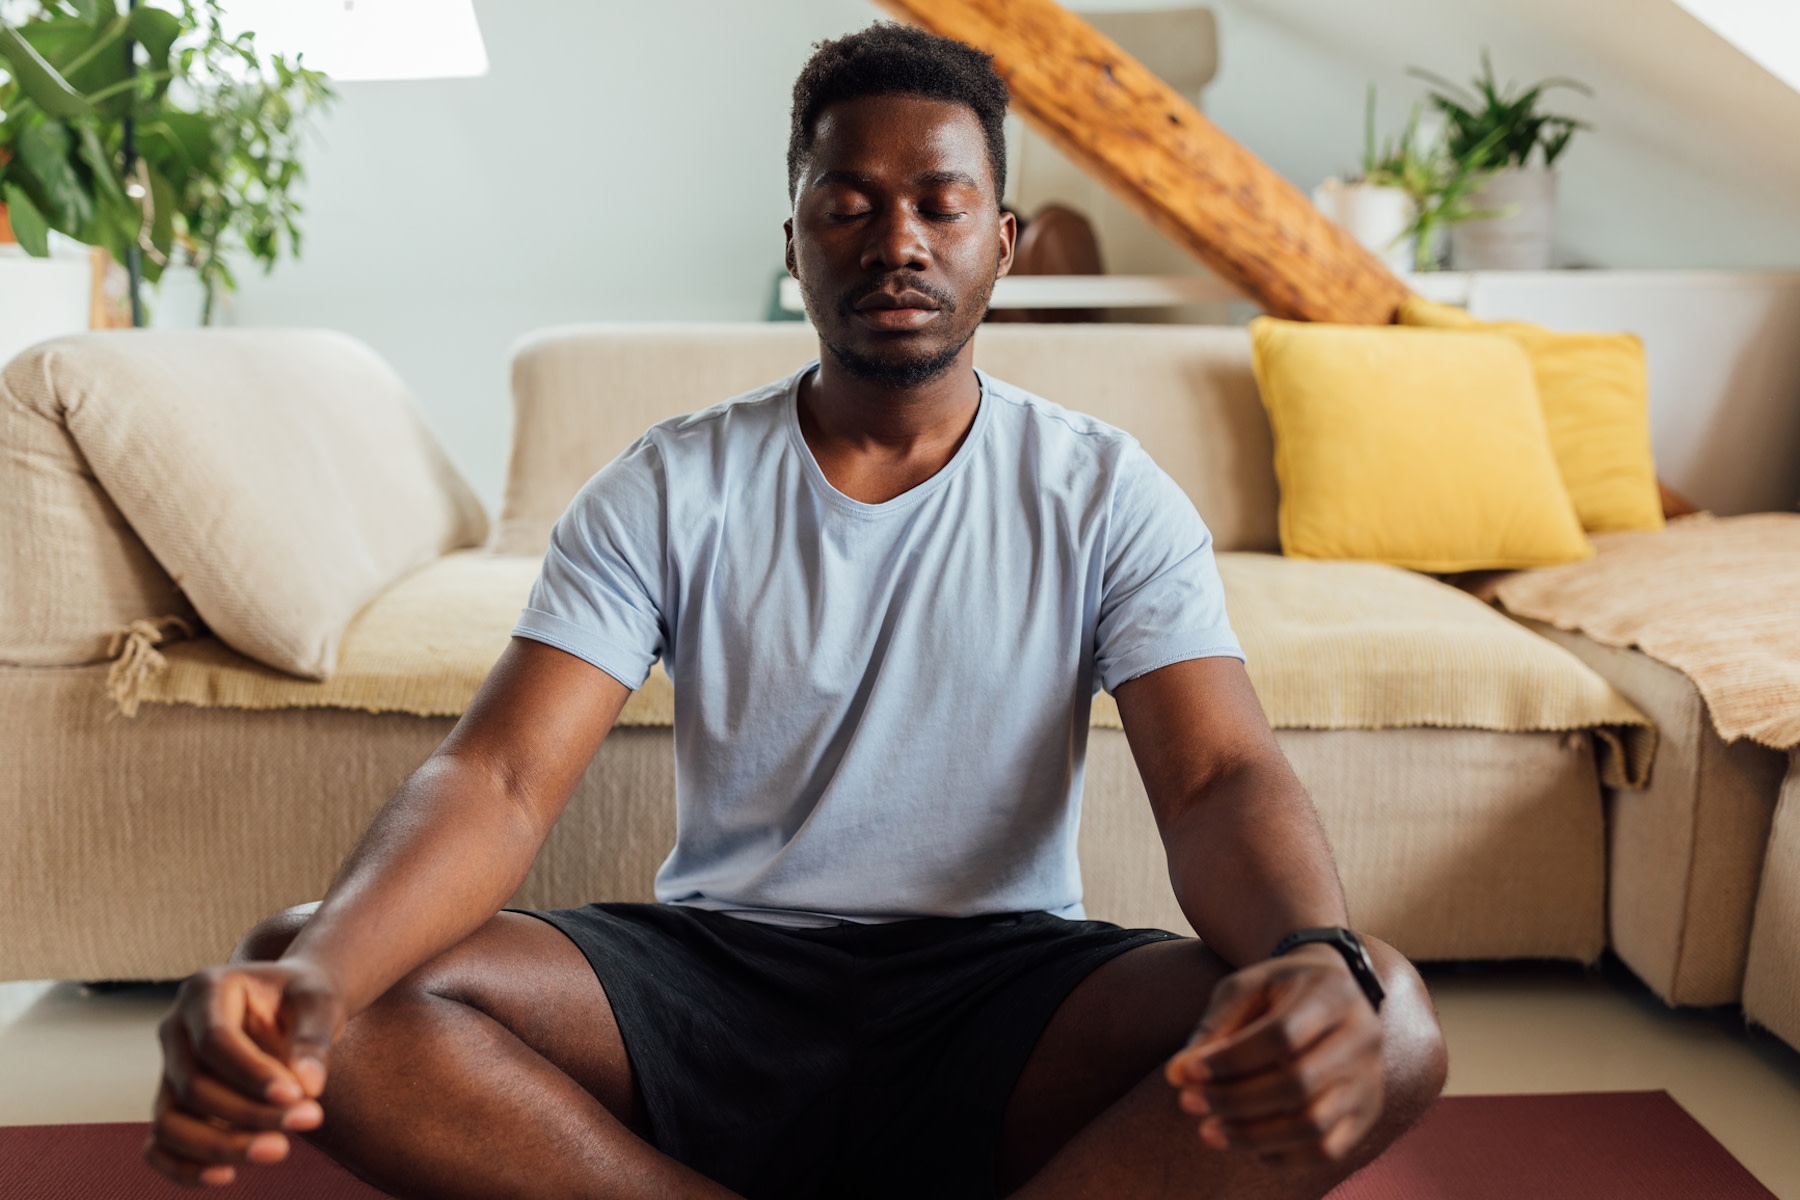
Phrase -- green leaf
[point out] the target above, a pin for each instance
(194, 134)
(156, 31)
(96, 12)
(38, 79)
(100, 164)
(28, 223)
(1505, 124)
(58, 39)
(102, 61)
(44, 148)
(162, 224)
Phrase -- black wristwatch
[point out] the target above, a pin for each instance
(1345, 943)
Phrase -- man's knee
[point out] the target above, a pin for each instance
(271, 936)
(1415, 1059)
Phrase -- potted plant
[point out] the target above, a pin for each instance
(150, 133)
(1500, 129)
(1409, 192)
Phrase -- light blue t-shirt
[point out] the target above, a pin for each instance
(881, 710)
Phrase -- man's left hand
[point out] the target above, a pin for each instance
(1286, 1063)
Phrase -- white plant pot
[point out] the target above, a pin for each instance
(1520, 241)
(1376, 217)
(175, 301)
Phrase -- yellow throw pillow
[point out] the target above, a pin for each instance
(1596, 397)
(1418, 448)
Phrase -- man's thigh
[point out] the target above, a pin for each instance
(1118, 1025)
(528, 978)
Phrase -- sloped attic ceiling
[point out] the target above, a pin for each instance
(1694, 160)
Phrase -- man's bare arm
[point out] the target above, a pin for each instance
(1247, 856)
(1286, 1064)
(246, 1047)
(456, 841)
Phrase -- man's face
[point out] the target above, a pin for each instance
(897, 235)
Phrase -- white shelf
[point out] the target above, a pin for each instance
(1085, 291)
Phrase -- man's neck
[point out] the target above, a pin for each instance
(873, 441)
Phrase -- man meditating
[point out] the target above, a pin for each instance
(887, 588)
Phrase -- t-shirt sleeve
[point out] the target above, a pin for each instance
(598, 596)
(1161, 600)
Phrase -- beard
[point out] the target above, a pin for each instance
(905, 372)
(897, 373)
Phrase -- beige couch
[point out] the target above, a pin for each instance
(1686, 853)
(1772, 976)
(139, 847)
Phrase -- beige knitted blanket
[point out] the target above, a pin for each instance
(1331, 646)
(1717, 598)
(421, 647)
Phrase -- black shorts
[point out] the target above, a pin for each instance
(858, 1060)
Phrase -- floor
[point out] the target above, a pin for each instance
(71, 1054)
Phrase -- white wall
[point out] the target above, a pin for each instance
(1723, 352)
(625, 161)
(620, 161)
(1694, 160)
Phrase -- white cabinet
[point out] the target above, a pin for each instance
(41, 298)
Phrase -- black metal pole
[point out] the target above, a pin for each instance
(134, 257)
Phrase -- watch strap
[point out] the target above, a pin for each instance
(1346, 943)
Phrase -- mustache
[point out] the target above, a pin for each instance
(896, 282)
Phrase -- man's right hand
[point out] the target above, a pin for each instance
(244, 1054)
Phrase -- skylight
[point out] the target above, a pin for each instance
(1768, 31)
(368, 39)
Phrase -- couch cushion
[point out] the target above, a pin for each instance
(1595, 393)
(1331, 646)
(281, 477)
(422, 647)
(1343, 645)
(1412, 447)
(72, 572)
(581, 394)
(143, 849)
(1451, 843)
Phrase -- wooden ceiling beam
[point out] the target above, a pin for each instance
(1154, 149)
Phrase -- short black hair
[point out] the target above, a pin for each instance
(888, 59)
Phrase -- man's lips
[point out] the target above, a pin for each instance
(906, 299)
(896, 310)
(896, 319)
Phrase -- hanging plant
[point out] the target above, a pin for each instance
(150, 130)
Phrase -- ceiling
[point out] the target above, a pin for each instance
(1693, 161)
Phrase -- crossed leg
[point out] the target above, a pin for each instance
(494, 1071)
(1092, 1116)
(497, 1070)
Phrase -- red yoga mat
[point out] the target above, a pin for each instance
(1576, 1146)
(1589, 1146)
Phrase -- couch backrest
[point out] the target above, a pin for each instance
(582, 394)
(274, 479)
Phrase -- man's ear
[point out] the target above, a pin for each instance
(1009, 236)
(787, 228)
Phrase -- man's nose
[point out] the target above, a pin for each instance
(896, 242)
